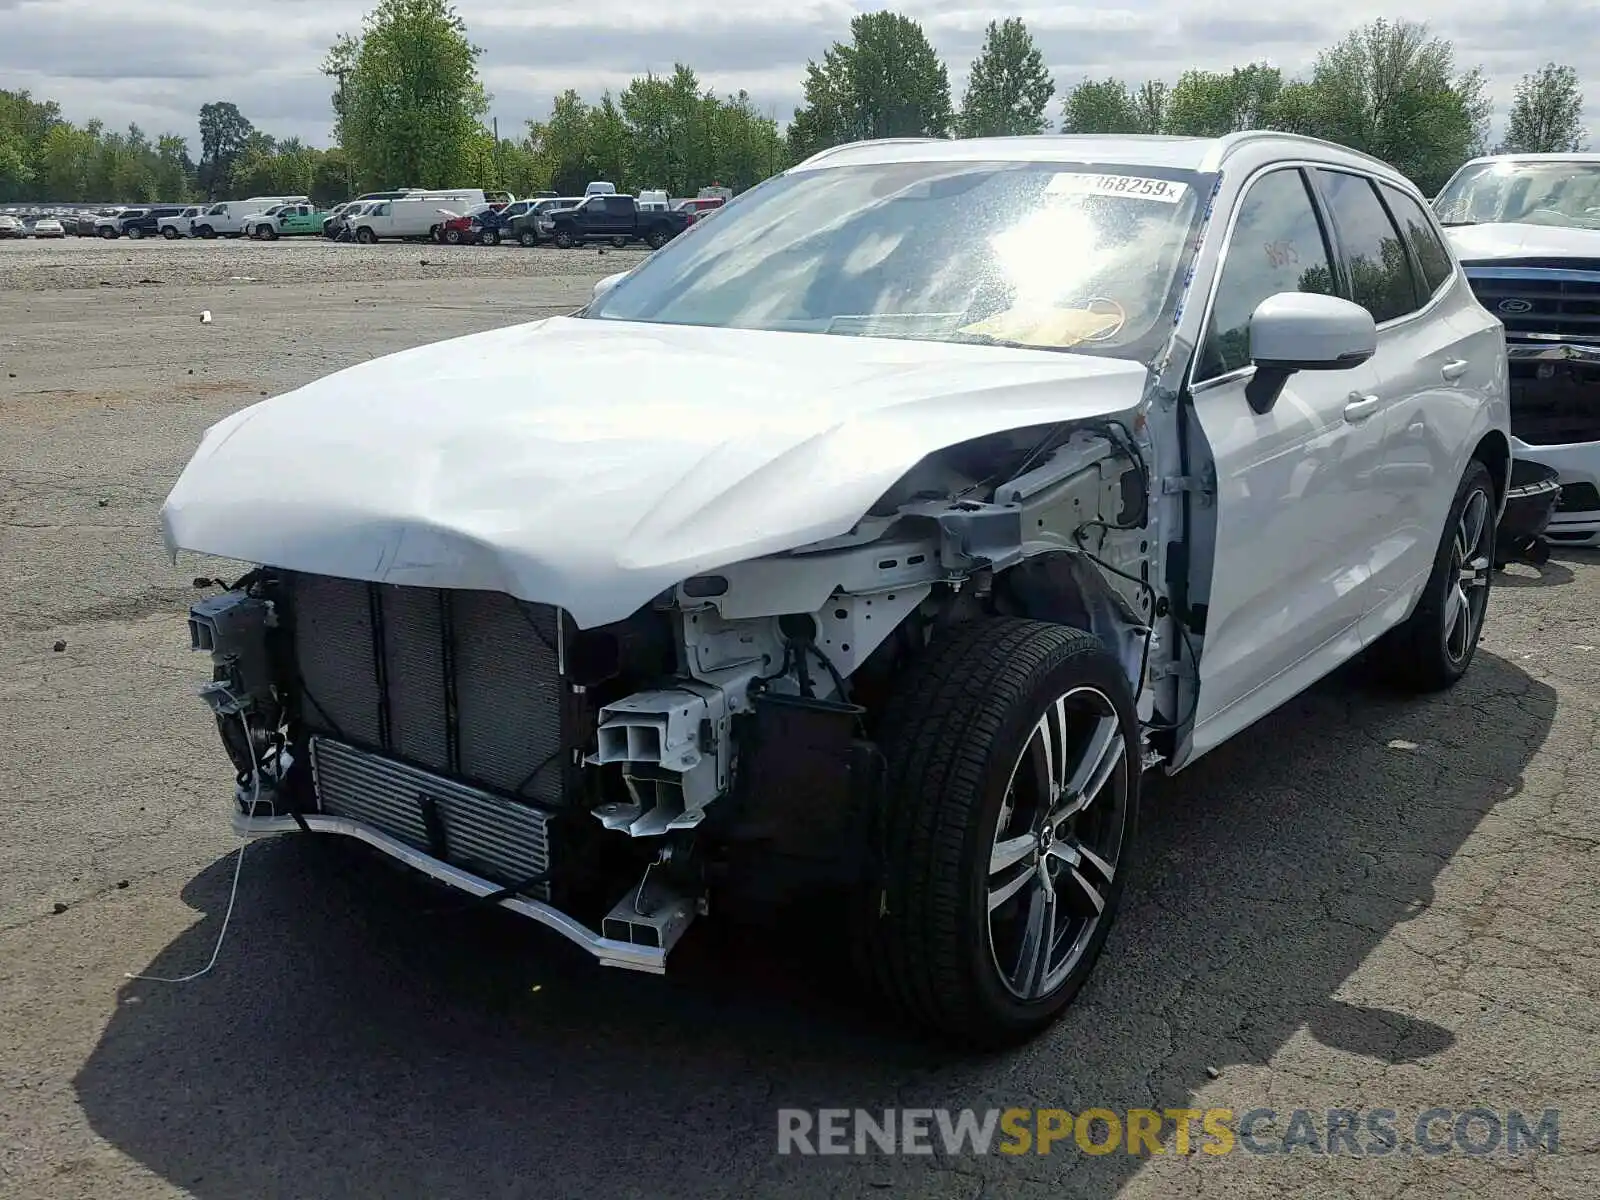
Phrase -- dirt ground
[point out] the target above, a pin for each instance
(1365, 903)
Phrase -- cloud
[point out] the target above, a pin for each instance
(156, 63)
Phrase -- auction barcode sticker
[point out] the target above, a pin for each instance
(1084, 183)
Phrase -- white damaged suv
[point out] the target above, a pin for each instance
(970, 481)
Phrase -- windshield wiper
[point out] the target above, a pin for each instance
(988, 339)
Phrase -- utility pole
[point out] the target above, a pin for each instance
(499, 168)
(349, 180)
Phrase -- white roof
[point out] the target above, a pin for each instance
(1577, 156)
(1143, 150)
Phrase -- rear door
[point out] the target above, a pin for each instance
(1445, 355)
(1289, 577)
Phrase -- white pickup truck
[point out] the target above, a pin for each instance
(181, 225)
(227, 218)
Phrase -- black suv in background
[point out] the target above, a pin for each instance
(148, 224)
(136, 222)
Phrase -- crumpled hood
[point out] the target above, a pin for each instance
(593, 464)
(1501, 240)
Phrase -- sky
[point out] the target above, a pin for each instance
(157, 61)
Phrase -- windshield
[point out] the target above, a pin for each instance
(1042, 255)
(1531, 192)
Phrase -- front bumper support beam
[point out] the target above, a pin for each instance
(608, 952)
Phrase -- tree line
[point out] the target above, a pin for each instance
(409, 110)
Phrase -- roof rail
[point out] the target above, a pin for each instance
(1228, 141)
(887, 141)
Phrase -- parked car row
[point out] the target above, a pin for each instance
(13, 226)
(457, 216)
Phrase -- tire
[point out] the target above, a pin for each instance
(954, 734)
(528, 238)
(169, 232)
(206, 231)
(619, 243)
(656, 240)
(365, 236)
(452, 237)
(135, 233)
(1431, 649)
(109, 234)
(563, 240)
(268, 233)
(489, 237)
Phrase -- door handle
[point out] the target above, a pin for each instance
(1361, 407)
(1454, 369)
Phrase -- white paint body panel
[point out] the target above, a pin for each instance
(1326, 528)
(593, 464)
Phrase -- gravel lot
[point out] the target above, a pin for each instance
(1365, 903)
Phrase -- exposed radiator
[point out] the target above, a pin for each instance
(465, 684)
(498, 839)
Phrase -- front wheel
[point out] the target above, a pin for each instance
(528, 238)
(206, 231)
(656, 240)
(1434, 646)
(268, 233)
(169, 232)
(365, 236)
(1011, 806)
(109, 233)
(564, 240)
(135, 232)
(453, 236)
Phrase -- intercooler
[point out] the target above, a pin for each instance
(438, 716)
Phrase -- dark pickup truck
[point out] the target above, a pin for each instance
(615, 219)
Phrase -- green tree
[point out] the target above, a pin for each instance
(410, 113)
(224, 132)
(1103, 106)
(887, 82)
(1212, 103)
(561, 144)
(1546, 113)
(1150, 104)
(1009, 87)
(1392, 90)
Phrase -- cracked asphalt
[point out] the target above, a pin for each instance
(1364, 903)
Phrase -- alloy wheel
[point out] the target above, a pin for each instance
(1057, 843)
(1467, 594)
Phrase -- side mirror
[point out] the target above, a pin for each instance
(1304, 331)
(606, 284)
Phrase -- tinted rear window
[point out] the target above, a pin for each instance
(1424, 237)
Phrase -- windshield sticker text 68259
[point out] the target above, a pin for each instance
(1136, 187)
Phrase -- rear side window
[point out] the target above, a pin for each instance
(1374, 253)
(1424, 236)
(1276, 246)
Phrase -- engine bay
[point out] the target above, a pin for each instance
(717, 741)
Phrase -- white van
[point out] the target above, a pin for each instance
(416, 216)
(599, 187)
(653, 201)
(227, 217)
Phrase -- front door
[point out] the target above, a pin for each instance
(1287, 576)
